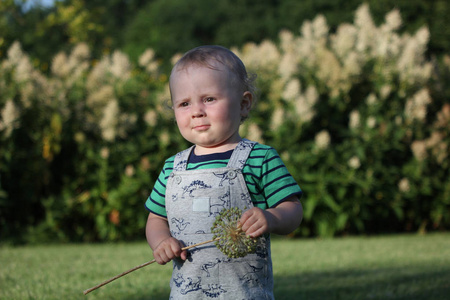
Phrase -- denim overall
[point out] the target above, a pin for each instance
(193, 200)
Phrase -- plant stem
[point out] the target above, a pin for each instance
(141, 266)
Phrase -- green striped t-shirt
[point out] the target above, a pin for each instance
(267, 178)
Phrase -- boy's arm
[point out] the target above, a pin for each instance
(164, 246)
(282, 219)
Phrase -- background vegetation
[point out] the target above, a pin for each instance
(353, 96)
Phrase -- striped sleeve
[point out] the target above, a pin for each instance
(156, 202)
(268, 179)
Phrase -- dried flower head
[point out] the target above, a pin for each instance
(232, 241)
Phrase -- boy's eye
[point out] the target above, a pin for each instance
(209, 99)
(183, 104)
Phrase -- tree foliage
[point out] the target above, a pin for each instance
(359, 114)
(173, 26)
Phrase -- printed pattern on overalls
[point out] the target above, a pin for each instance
(193, 200)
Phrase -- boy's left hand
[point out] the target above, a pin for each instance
(255, 222)
(282, 219)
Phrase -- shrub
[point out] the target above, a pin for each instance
(359, 116)
(356, 119)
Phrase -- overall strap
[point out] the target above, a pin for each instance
(181, 159)
(240, 154)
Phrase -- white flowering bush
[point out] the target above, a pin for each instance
(360, 117)
(80, 146)
(358, 121)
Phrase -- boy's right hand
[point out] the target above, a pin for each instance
(168, 249)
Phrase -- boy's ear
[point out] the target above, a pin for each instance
(246, 103)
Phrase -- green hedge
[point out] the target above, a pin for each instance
(360, 117)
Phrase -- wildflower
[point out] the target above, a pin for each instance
(277, 118)
(9, 115)
(176, 58)
(288, 65)
(78, 62)
(277, 87)
(443, 117)
(411, 66)
(109, 120)
(354, 162)
(366, 28)
(404, 186)
(438, 147)
(27, 91)
(98, 75)
(14, 54)
(114, 217)
(120, 65)
(164, 138)
(286, 40)
(315, 31)
(352, 65)
(264, 57)
(354, 119)
(292, 89)
(393, 19)
(371, 99)
(304, 104)
(322, 139)
(419, 150)
(146, 57)
(311, 95)
(232, 240)
(104, 152)
(59, 65)
(146, 60)
(145, 163)
(80, 52)
(150, 118)
(371, 122)
(129, 171)
(344, 40)
(416, 107)
(100, 97)
(24, 69)
(254, 133)
(330, 72)
(385, 91)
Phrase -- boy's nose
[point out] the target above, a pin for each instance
(198, 110)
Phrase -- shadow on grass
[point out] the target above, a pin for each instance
(403, 283)
(387, 283)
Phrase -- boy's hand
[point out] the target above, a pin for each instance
(256, 222)
(168, 249)
(282, 219)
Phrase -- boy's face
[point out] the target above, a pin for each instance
(208, 108)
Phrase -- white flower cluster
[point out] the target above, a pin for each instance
(319, 62)
(104, 109)
(31, 81)
(148, 62)
(112, 69)
(71, 67)
(437, 143)
(9, 115)
(416, 106)
(322, 140)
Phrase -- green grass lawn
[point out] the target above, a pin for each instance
(386, 267)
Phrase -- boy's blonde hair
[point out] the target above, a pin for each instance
(206, 55)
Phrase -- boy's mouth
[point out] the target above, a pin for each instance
(202, 127)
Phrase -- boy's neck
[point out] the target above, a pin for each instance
(199, 150)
